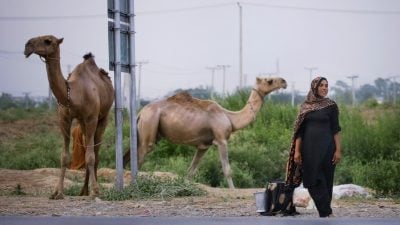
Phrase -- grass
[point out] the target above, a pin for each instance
(145, 187)
(149, 187)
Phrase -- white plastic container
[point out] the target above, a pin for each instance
(260, 201)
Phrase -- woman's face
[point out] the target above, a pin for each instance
(323, 89)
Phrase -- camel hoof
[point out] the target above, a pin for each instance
(94, 194)
(84, 193)
(57, 196)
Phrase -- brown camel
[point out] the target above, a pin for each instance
(183, 119)
(87, 96)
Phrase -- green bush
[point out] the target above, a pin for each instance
(381, 175)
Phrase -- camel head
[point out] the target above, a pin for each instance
(267, 85)
(43, 46)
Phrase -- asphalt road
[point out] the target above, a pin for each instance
(41, 220)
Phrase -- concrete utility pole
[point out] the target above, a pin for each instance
(240, 47)
(311, 69)
(26, 98)
(353, 92)
(140, 64)
(50, 99)
(213, 69)
(223, 67)
(132, 94)
(394, 87)
(293, 93)
(119, 180)
(277, 67)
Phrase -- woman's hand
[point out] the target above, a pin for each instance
(297, 153)
(336, 157)
(297, 157)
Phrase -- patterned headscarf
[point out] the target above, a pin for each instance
(313, 102)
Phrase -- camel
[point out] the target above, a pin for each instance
(87, 96)
(182, 119)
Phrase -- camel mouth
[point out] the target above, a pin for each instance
(284, 84)
(28, 51)
(27, 54)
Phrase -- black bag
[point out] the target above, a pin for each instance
(279, 199)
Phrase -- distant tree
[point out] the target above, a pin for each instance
(382, 86)
(286, 98)
(342, 92)
(367, 91)
(7, 101)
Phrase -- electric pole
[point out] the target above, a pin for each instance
(213, 69)
(223, 67)
(26, 99)
(353, 93)
(240, 47)
(394, 87)
(140, 64)
(277, 67)
(293, 93)
(311, 69)
(50, 99)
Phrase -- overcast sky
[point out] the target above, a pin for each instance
(180, 38)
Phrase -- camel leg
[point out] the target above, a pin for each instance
(98, 138)
(226, 168)
(65, 125)
(147, 135)
(90, 128)
(195, 162)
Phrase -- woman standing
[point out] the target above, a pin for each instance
(315, 149)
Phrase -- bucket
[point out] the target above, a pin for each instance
(260, 201)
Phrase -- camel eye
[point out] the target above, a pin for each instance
(270, 82)
(47, 41)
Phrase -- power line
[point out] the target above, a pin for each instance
(36, 18)
(177, 10)
(183, 9)
(10, 52)
(352, 11)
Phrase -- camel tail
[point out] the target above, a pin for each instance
(78, 149)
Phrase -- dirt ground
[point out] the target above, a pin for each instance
(37, 184)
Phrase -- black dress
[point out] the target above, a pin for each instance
(318, 145)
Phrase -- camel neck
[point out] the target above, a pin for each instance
(248, 113)
(57, 81)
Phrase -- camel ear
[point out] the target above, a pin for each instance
(258, 80)
(59, 41)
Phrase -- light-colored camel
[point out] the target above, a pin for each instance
(183, 119)
(87, 95)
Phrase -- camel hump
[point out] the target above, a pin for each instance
(89, 62)
(88, 56)
(184, 98)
